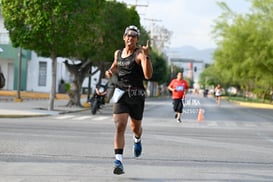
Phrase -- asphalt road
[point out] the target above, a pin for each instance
(231, 143)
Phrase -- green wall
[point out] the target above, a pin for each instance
(11, 53)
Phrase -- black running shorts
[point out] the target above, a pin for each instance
(133, 105)
(177, 105)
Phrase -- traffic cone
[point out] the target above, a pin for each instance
(200, 115)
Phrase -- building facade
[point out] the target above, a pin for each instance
(33, 71)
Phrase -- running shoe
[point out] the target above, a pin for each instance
(118, 167)
(137, 149)
(179, 120)
(175, 116)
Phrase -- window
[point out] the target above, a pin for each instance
(42, 73)
(4, 38)
(4, 34)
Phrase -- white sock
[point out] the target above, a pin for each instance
(118, 157)
(137, 139)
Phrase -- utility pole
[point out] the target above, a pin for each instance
(152, 19)
(18, 97)
(155, 34)
(137, 5)
(153, 24)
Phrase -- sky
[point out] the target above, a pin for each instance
(190, 21)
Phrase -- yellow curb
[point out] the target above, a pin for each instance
(34, 95)
(18, 100)
(254, 105)
(22, 116)
(86, 105)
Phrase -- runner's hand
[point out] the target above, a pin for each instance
(145, 49)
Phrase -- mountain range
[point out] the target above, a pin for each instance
(190, 52)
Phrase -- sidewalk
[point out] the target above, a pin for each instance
(34, 105)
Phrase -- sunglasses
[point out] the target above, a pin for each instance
(131, 35)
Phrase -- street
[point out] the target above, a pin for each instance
(231, 143)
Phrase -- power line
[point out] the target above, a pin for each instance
(152, 19)
(137, 5)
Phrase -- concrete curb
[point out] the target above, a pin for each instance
(35, 113)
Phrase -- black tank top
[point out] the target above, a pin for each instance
(130, 74)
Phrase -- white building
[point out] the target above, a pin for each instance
(35, 71)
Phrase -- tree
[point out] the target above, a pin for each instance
(42, 26)
(160, 37)
(160, 68)
(86, 35)
(75, 29)
(244, 54)
(98, 50)
(115, 17)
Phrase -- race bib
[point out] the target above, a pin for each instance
(179, 88)
(118, 93)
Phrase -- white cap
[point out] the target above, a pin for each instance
(133, 28)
